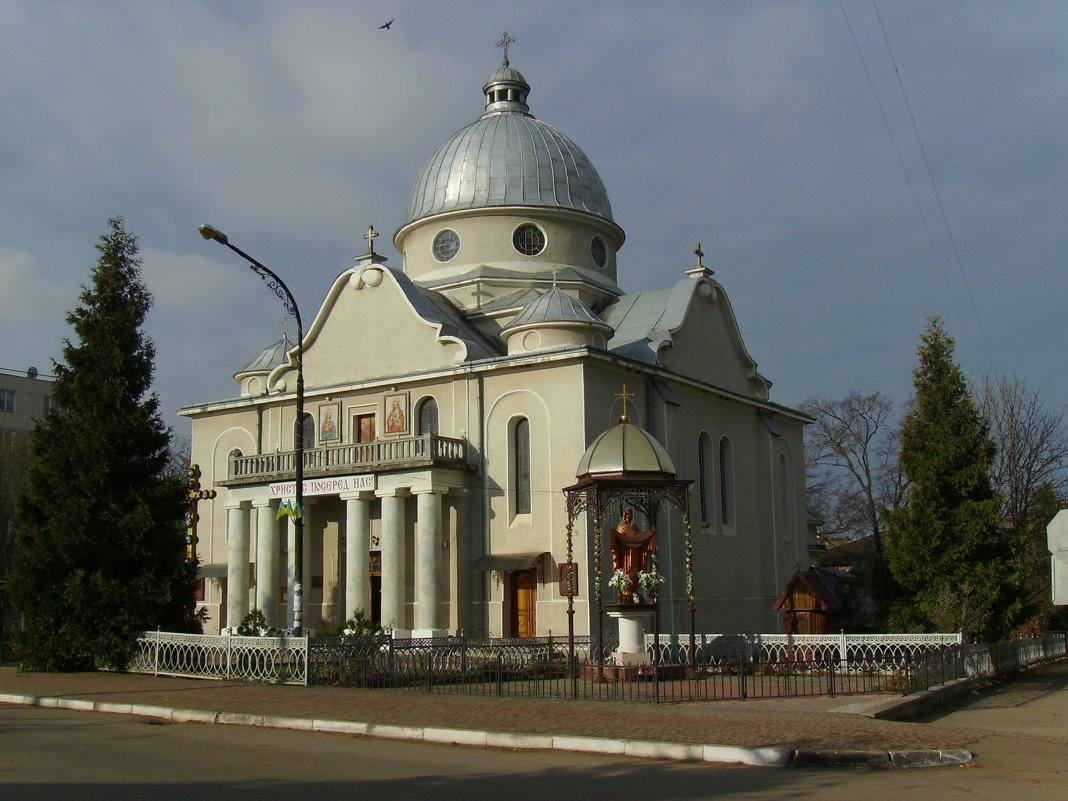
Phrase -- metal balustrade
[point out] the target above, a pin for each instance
(423, 450)
(735, 667)
(280, 660)
(854, 651)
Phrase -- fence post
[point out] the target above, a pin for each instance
(155, 661)
(307, 658)
(830, 673)
(229, 639)
(743, 664)
(908, 673)
(389, 661)
(463, 657)
(500, 674)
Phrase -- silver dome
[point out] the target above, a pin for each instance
(556, 308)
(507, 158)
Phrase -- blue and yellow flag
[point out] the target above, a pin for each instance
(287, 509)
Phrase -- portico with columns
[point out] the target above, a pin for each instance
(400, 525)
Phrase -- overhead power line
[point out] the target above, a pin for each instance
(934, 185)
(912, 186)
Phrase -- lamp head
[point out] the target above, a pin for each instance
(208, 232)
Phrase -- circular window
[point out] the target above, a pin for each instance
(597, 250)
(446, 245)
(528, 239)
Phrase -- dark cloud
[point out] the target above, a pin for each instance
(750, 127)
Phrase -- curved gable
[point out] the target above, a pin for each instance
(375, 322)
(690, 329)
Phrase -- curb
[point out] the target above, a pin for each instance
(683, 752)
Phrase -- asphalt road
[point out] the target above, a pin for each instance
(50, 754)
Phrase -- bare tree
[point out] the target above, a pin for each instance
(851, 452)
(1029, 469)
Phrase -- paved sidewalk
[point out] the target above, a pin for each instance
(808, 730)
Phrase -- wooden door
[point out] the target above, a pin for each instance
(365, 428)
(524, 603)
(374, 603)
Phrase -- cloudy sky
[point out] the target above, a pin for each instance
(752, 127)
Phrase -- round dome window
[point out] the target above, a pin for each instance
(528, 239)
(446, 245)
(598, 251)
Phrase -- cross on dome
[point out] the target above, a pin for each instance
(370, 237)
(506, 40)
(625, 396)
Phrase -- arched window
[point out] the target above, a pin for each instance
(521, 461)
(309, 431)
(428, 417)
(704, 454)
(726, 482)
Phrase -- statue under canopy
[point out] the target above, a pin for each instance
(631, 551)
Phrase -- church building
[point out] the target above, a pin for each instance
(450, 399)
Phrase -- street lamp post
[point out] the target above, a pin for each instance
(282, 291)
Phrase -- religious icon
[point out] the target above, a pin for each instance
(631, 551)
(328, 422)
(397, 413)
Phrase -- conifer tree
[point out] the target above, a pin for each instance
(101, 551)
(947, 552)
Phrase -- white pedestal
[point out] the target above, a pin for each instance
(632, 627)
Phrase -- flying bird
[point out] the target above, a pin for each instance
(386, 26)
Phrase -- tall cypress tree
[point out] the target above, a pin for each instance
(101, 550)
(946, 549)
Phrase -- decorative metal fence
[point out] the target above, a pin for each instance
(982, 660)
(282, 660)
(856, 652)
(725, 668)
(737, 667)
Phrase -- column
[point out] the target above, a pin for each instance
(428, 562)
(357, 551)
(393, 562)
(267, 552)
(237, 536)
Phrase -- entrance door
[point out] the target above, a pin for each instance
(524, 603)
(365, 428)
(374, 603)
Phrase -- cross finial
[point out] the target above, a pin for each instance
(556, 272)
(700, 255)
(625, 397)
(285, 323)
(506, 40)
(370, 237)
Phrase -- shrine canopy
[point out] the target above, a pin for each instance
(626, 450)
(626, 464)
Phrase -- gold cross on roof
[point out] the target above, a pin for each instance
(370, 237)
(625, 397)
(506, 40)
(700, 255)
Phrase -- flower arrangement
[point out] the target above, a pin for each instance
(620, 581)
(651, 581)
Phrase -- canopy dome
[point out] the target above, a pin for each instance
(507, 158)
(626, 449)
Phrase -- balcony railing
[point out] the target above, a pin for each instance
(426, 450)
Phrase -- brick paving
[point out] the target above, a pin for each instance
(810, 723)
